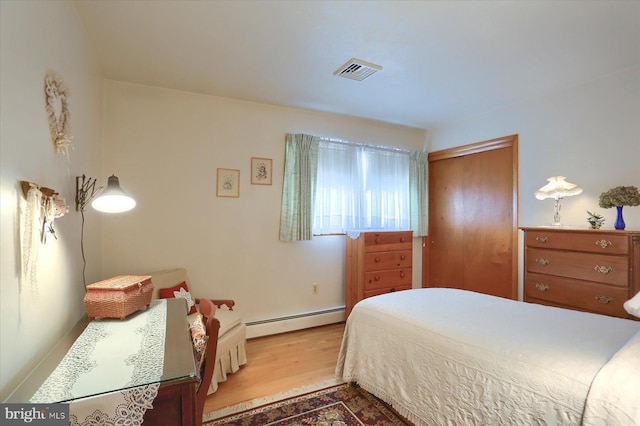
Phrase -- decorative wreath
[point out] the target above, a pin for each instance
(58, 114)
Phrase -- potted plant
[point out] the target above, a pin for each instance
(595, 220)
(619, 197)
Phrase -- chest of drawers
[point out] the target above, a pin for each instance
(587, 270)
(376, 263)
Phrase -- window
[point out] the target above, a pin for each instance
(361, 187)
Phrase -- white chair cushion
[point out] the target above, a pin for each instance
(228, 319)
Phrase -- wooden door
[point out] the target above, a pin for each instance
(473, 218)
(446, 230)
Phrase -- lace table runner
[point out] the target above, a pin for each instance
(110, 355)
(126, 407)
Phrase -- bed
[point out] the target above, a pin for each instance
(445, 356)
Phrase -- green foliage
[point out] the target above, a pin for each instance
(595, 220)
(620, 196)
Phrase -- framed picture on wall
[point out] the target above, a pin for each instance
(261, 171)
(228, 184)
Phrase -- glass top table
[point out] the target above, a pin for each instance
(108, 355)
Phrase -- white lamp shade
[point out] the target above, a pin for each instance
(557, 188)
(113, 199)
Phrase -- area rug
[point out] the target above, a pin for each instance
(343, 404)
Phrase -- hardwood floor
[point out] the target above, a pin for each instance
(279, 363)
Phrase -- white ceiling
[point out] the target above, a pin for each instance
(442, 60)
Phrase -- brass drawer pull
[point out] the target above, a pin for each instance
(603, 243)
(542, 239)
(604, 299)
(604, 270)
(542, 261)
(542, 287)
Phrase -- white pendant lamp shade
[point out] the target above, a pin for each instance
(113, 199)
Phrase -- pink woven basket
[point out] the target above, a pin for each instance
(118, 297)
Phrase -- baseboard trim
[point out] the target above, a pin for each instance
(271, 326)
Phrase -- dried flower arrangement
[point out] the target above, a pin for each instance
(620, 196)
(595, 220)
(57, 94)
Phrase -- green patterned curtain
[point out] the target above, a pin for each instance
(418, 183)
(299, 189)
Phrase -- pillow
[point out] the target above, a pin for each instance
(632, 306)
(199, 337)
(180, 290)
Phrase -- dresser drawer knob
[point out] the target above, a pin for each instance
(542, 261)
(402, 274)
(604, 270)
(604, 299)
(542, 239)
(603, 243)
(402, 239)
(377, 259)
(403, 257)
(542, 287)
(376, 278)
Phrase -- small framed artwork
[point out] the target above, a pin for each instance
(228, 184)
(261, 171)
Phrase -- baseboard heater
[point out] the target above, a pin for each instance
(300, 321)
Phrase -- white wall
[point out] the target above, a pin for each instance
(165, 147)
(37, 36)
(590, 134)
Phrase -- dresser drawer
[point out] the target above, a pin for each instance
(585, 266)
(387, 279)
(595, 243)
(386, 241)
(582, 295)
(375, 292)
(376, 261)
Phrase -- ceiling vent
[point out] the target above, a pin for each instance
(357, 69)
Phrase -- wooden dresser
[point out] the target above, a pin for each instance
(582, 269)
(377, 262)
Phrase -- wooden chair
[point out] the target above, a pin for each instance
(231, 352)
(212, 326)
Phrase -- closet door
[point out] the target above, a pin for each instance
(473, 217)
(446, 230)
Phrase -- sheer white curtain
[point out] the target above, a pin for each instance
(360, 187)
(338, 188)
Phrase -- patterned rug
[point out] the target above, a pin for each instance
(344, 405)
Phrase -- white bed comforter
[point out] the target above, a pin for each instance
(452, 357)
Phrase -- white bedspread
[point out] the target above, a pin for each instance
(614, 398)
(445, 356)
